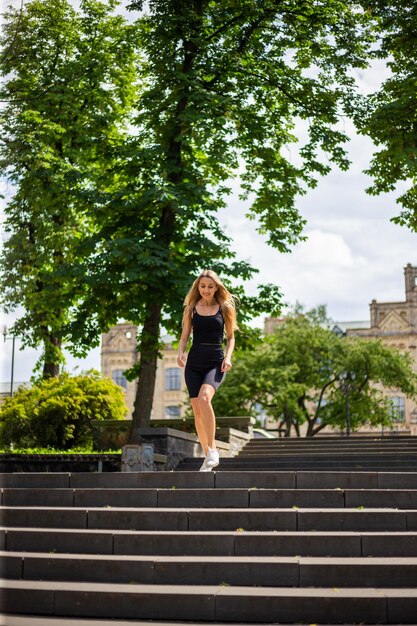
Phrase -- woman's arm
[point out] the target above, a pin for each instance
(185, 335)
(227, 364)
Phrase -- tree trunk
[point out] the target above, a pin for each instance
(287, 421)
(51, 366)
(296, 425)
(149, 350)
(311, 427)
(318, 429)
(149, 343)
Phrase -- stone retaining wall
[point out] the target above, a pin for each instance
(59, 462)
(173, 444)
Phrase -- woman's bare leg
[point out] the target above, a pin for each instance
(207, 413)
(199, 425)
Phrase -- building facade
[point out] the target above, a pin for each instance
(396, 324)
(118, 353)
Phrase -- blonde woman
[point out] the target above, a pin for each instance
(209, 314)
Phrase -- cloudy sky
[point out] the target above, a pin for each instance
(353, 252)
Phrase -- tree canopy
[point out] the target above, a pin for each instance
(222, 86)
(133, 134)
(301, 373)
(388, 116)
(68, 82)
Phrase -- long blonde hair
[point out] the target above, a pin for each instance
(225, 299)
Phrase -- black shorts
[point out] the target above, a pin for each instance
(203, 367)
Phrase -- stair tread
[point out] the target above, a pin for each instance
(205, 490)
(205, 533)
(151, 589)
(211, 509)
(307, 560)
(45, 620)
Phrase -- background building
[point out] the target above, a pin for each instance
(118, 354)
(396, 324)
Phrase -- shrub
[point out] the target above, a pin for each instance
(57, 412)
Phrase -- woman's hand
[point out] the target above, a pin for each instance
(181, 359)
(226, 365)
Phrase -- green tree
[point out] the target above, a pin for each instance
(57, 412)
(69, 81)
(388, 116)
(296, 375)
(222, 85)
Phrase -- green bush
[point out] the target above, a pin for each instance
(57, 412)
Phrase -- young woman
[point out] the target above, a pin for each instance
(209, 314)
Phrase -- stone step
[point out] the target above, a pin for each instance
(334, 459)
(347, 480)
(130, 480)
(336, 441)
(278, 448)
(346, 442)
(253, 468)
(340, 443)
(47, 620)
(210, 543)
(213, 603)
(330, 457)
(205, 498)
(221, 479)
(337, 454)
(276, 464)
(316, 480)
(263, 571)
(249, 452)
(358, 519)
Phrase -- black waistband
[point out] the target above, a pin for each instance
(219, 345)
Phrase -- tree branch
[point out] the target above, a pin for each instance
(322, 394)
(10, 47)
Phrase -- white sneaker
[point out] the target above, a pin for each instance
(212, 459)
(204, 467)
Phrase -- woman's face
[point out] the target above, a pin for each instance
(207, 288)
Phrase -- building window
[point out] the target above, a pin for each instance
(119, 378)
(398, 408)
(172, 411)
(173, 379)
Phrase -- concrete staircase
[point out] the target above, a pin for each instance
(322, 547)
(389, 453)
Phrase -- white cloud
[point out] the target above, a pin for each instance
(326, 249)
(354, 253)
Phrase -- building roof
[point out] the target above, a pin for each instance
(351, 325)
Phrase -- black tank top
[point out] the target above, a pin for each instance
(208, 329)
